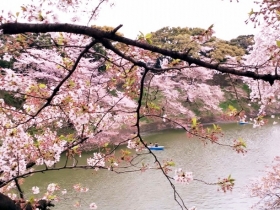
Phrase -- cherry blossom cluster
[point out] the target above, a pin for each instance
(226, 184)
(239, 146)
(183, 177)
(268, 12)
(80, 188)
(51, 11)
(97, 160)
(49, 195)
(265, 57)
(83, 102)
(135, 144)
(266, 187)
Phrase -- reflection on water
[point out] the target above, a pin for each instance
(150, 189)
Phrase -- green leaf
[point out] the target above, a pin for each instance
(20, 38)
(231, 180)
(108, 65)
(141, 35)
(231, 108)
(75, 148)
(278, 43)
(60, 39)
(171, 163)
(215, 127)
(71, 83)
(175, 61)
(148, 36)
(32, 200)
(149, 41)
(51, 197)
(41, 85)
(243, 143)
(194, 121)
(40, 17)
(251, 12)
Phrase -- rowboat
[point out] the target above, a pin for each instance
(156, 148)
(243, 123)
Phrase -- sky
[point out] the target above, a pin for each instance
(150, 15)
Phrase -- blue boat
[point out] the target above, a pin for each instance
(243, 123)
(156, 148)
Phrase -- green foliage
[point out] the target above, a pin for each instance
(146, 120)
(147, 37)
(152, 95)
(196, 111)
(6, 64)
(225, 105)
(196, 106)
(255, 106)
(66, 130)
(194, 122)
(11, 100)
(68, 137)
(246, 88)
(113, 92)
(244, 41)
(100, 49)
(33, 131)
(100, 53)
(36, 40)
(278, 43)
(170, 163)
(102, 68)
(153, 105)
(241, 142)
(221, 49)
(179, 39)
(176, 38)
(107, 29)
(219, 79)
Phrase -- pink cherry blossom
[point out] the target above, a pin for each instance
(35, 190)
(92, 206)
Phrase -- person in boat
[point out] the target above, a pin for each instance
(151, 144)
(156, 144)
(242, 117)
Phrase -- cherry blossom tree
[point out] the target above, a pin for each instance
(265, 57)
(80, 87)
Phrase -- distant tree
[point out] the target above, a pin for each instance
(183, 40)
(246, 42)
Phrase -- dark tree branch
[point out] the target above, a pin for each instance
(17, 28)
(19, 189)
(116, 29)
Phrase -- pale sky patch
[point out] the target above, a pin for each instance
(150, 15)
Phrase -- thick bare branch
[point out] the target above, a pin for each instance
(17, 28)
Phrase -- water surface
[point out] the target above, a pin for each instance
(150, 190)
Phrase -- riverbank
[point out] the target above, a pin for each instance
(160, 125)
